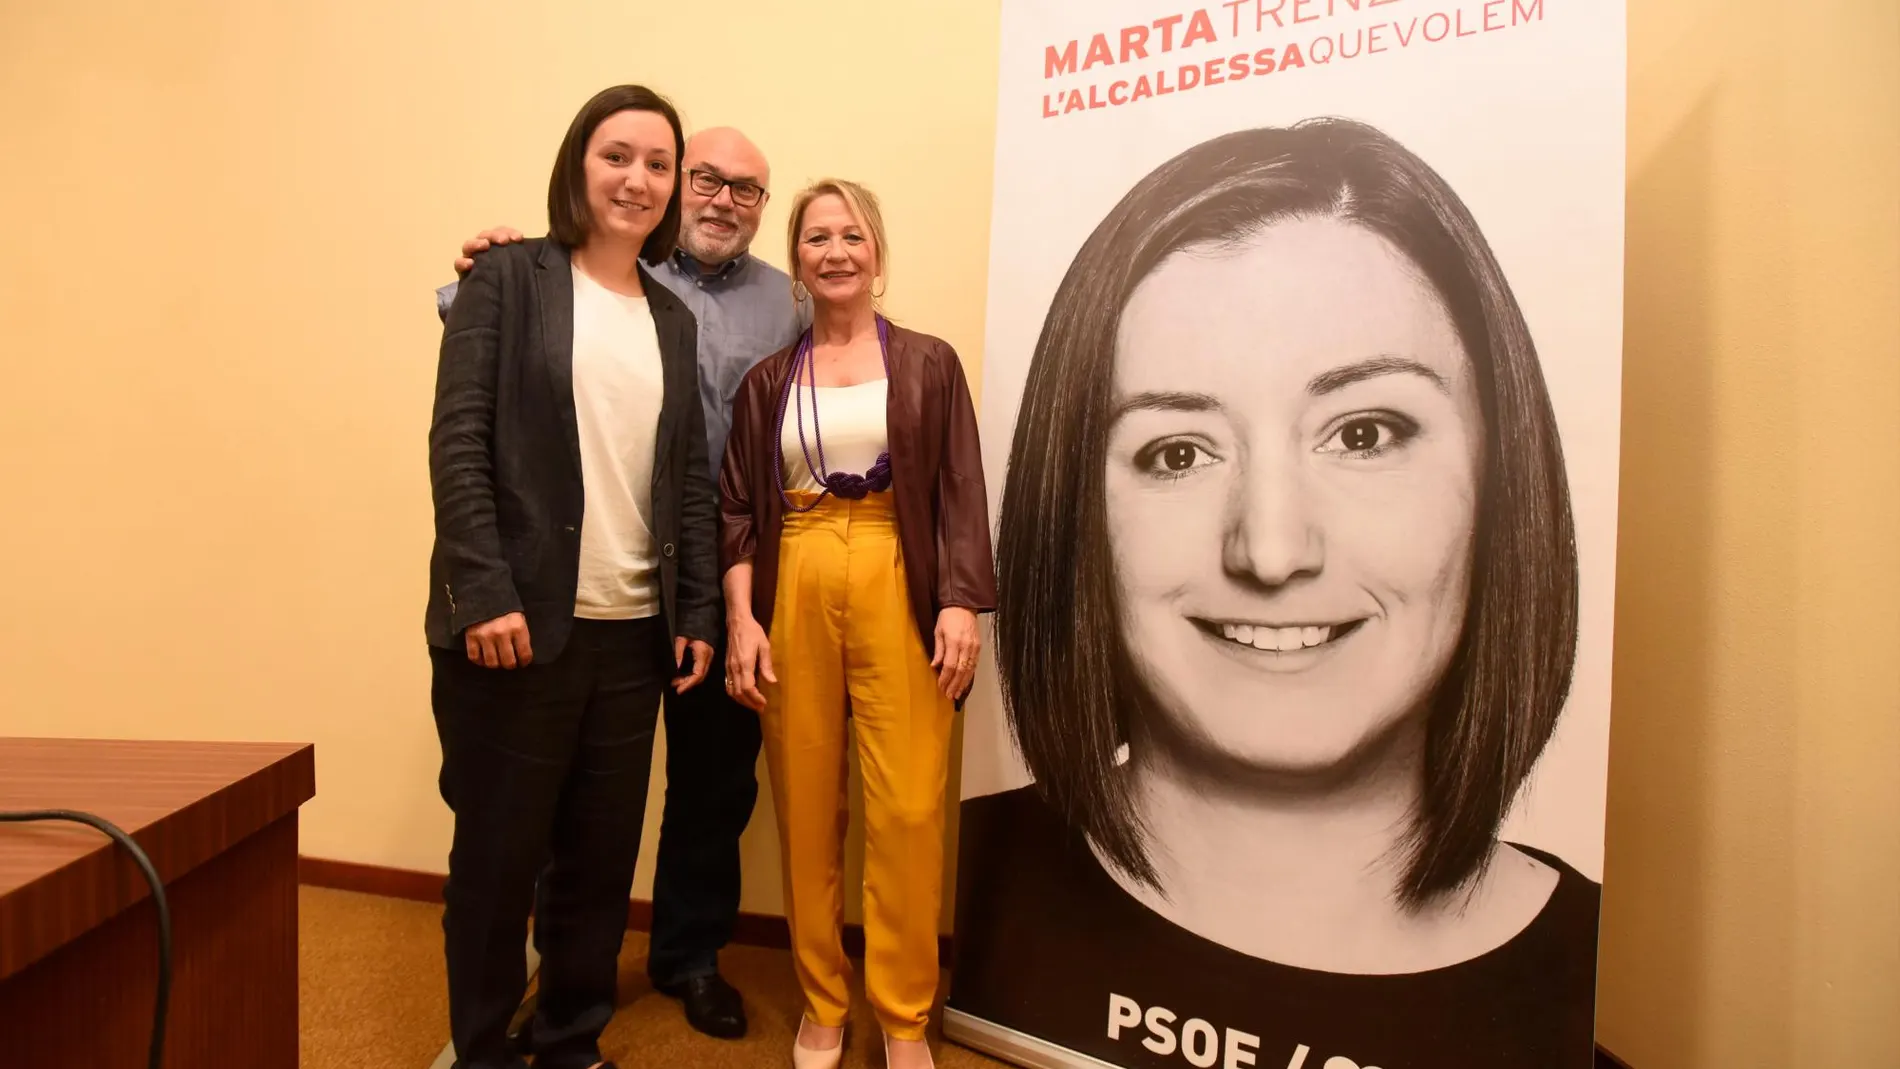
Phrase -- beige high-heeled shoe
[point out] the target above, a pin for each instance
(804, 1057)
(927, 1055)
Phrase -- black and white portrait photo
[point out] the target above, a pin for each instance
(1288, 612)
(1301, 382)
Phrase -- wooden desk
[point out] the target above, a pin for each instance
(78, 929)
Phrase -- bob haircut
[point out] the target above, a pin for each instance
(1069, 684)
(570, 220)
(863, 206)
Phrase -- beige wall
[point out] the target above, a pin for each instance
(223, 221)
(1752, 900)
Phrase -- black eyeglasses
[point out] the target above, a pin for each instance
(707, 184)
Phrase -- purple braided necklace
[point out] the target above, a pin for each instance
(847, 485)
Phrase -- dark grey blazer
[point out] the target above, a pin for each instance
(505, 460)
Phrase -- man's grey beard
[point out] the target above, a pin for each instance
(714, 252)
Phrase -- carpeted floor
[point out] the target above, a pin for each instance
(374, 998)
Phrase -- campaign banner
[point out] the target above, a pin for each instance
(1300, 409)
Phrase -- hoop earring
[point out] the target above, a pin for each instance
(799, 292)
(877, 294)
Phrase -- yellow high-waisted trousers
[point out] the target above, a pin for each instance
(843, 635)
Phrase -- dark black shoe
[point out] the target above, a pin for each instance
(712, 1005)
(518, 1029)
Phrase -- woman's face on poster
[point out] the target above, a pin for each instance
(1292, 474)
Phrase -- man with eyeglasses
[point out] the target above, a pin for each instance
(745, 311)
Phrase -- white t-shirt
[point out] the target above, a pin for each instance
(619, 384)
(855, 431)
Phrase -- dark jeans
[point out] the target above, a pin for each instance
(712, 753)
(545, 769)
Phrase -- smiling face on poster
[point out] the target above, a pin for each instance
(1303, 367)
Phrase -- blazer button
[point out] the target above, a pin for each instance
(667, 550)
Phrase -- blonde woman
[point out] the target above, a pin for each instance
(856, 554)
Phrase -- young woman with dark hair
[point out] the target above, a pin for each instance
(574, 571)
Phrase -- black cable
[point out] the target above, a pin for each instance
(158, 899)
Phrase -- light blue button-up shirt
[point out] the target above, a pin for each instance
(745, 312)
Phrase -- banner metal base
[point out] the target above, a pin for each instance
(1019, 1048)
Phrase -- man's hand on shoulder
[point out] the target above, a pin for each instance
(482, 242)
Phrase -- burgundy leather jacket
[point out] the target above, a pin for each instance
(937, 484)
